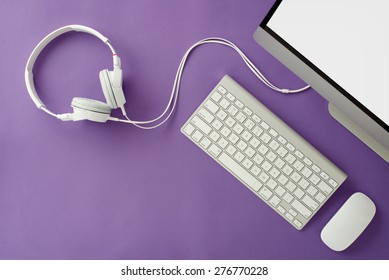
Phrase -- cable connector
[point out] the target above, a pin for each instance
(285, 91)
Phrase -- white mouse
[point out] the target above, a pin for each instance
(349, 222)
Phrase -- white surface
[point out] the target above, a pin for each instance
(349, 222)
(348, 40)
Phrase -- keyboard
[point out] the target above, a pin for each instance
(263, 153)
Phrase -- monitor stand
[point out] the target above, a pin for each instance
(358, 132)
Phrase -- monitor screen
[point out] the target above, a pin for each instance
(346, 39)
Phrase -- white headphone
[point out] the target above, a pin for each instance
(111, 83)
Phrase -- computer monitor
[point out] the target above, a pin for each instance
(341, 49)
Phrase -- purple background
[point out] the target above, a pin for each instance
(111, 191)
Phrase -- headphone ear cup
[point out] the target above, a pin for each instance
(89, 109)
(105, 82)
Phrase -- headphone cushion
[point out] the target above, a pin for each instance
(107, 88)
(91, 105)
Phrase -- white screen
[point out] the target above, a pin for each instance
(346, 39)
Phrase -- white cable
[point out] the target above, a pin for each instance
(177, 81)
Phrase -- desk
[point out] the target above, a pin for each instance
(110, 191)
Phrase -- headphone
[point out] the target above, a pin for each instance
(83, 108)
(111, 83)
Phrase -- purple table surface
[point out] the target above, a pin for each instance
(85, 190)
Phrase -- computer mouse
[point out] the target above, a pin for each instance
(349, 222)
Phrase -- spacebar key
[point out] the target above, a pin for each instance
(240, 172)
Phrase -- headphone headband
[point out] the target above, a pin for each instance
(28, 75)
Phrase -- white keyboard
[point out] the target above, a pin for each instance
(263, 152)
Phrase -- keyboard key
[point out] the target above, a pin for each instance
(258, 159)
(197, 136)
(273, 132)
(324, 188)
(279, 163)
(246, 135)
(271, 156)
(295, 177)
(216, 96)
(316, 168)
(189, 129)
(247, 163)
(217, 124)
(230, 122)
(282, 179)
(289, 216)
(257, 131)
(298, 165)
(306, 172)
(222, 90)
(265, 125)
(255, 170)
(247, 111)
(263, 149)
(266, 166)
(211, 106)
(206, 115)
(274, 201)
(324, 175)
(238, 128)
(287, 170)
(320, 197)
(312, 190)
(292, 212)
(290, 158)
(249, 152)
(222, 143)
(239, 104)
(274, 145)
(241, 117)
(290, 186)
(233, 110)
(224, 103)
(239, 156)
(233, 138)
(314, 179)
(221, 115)
(205, 143)
(288, 197)
(310, 202)
(241, 145)
(263, 177)
(290, 147)
(280, 191)
(282, 151)
(271, 184)
(265, 137)
(281, 209)
(297, 223)
(265, 193)
(299, 154)
(249, 124)
(231, 150)
(214, 136)
(303, 183)
(199, 123)
(298, 193)
(274, 172)
(282, 140)
(214, 150)
(301, 209)
(230, 96)
(333, 183)
(307, 161)
(225, 131)
(256, 118)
